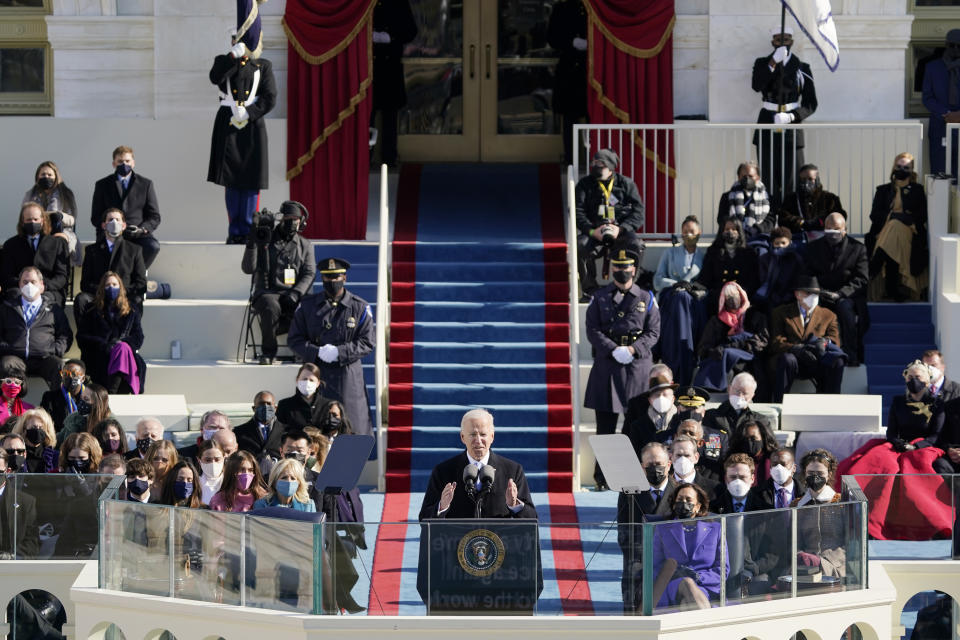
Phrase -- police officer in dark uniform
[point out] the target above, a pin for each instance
(393, 27)
(789, 96)
(335, 330)
(623, 325)
(567, 34)
(609, 215)
(281, 262)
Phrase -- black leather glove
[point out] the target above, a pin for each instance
(715, 353)
(289, 300)
(899, 444)
(686, 572)
(681, 285)
(132, 232)
(829, 296)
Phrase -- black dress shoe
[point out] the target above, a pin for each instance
(267, 360)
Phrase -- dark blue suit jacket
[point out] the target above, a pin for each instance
(936, 98)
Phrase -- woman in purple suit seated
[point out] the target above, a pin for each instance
(686, 555)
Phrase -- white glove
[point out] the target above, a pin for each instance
(381, 37)
(580, 44)
(328, 353)
(238, 50)
(783, 118)
(780, 54)
(241, 113)
(622, 355)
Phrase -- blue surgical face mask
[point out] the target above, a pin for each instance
(182, 490)
(287, 488)
(112, 292)
(778, 251)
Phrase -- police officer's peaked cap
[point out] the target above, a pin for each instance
(608, 158)
(693, 397)
(625, 258)
(332, 266)
(293, 208)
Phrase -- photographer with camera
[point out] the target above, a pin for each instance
(609, 213)
(283, 269)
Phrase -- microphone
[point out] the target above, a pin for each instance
(470, 473)
(487, 474)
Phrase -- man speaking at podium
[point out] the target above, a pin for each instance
(478, 482)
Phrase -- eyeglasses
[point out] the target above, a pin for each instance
(15, 452)
(11, 381)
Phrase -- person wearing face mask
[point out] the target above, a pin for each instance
(821, 533)
(111, 436)
(897, 241)
(163, 456)
(93, 407)
(756, 440)
(282, 265)
(941, 97)
(748, 202)
(16, 449)
(735, 495)
(183, 488)
(18, 513)
(917, 416)
(805, 343)
(211, 461)
(335, 331)
(242, 484)
(788, 96)
(13, 388)
(732, 340)
(287, 488)
(34, 246)
(211, 422)
(651, 413)
(40, 439)
(331, 419)
(681, 299)
(59, 203)
(784, 483)
(140, 475)
(297, 411)
(607, 203)
(61, 402)
(80, 454)
(148, 431)
(940, 385)
(263, 433)
(33, 330)
(728, 259)
(805, 210)
(735, 411)
(623, 326)
(839, 262)
(133, 194)
(109, 335)
(684, 458)
(114, 253)
(777, 269)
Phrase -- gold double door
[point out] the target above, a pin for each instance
(479, 81)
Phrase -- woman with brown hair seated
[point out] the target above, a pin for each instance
(109, 335)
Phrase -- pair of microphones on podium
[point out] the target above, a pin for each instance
(472, 477)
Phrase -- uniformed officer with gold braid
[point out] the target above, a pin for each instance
(623, 325)
(335, 330)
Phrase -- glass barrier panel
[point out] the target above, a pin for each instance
(582, 570)
(824, 547)
(688, 564)
(387, 570)
(282, 554)
(759, 546)
(480, 567)
(206, 564)
(348, 552)
(134, 547)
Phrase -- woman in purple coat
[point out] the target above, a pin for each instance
(686, 554)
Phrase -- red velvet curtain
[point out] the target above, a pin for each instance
(330, 70)
(630, 81)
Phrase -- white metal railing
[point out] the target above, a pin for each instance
(380, 366)
(702, 157)
(574, 321)
(951, 160)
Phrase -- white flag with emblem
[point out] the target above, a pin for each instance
(816, 21)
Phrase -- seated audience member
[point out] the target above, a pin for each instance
(317, 448)
(777, 269)
(712, 447)
(183, 487)
(163, 456)
(109, 335)
(33, 330)
(34, 246)
(227, 441)
(13, 388)
(729, 418)
(728, 259)
(692, 403)
(757, 441)
(58, 202)
(93, 409)
(80, 453)
(111, 253)
(16, 449)
(821, 533)
(263, 432)
(917, 416)
(805, 343)
(287, 488)
(839, 262)
(111, 436)
(734, 495)
(687, 556)
(296, 411)
(681, 300)
(684, 458)
(332, 419)
(732, 340)
(61, 402)
(747, 202)
(26, 540)
(940, 385)
(783, 485)
(806, 210)
(210, 423)
(211, 459)
(148, 431)
(113, 465)
(897, 240)
(40, 439)
(242, 484)
(651, 412)
(140, 476)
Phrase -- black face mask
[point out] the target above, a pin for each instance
(808, 186)
(137, 487)
(296, 455)
(35, 436)
(834, 238)
(45, 183)
(596, 171)
(289, 228)
(333, 287)
(332, 424)
(683, 510)
(32, 228)
(143, 444)
(816, 482)
(83, 407)
(264, 413)
(901, 174)
(80, 466)
(123, 170)
(754, 447)
(916, 385)
(748, 183)
(655, 474)
(16, 462)
(622, 277)
(730, 237)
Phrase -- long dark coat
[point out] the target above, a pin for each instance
(396, 18)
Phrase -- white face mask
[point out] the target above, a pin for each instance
(208, 433)
(738, 488)
(737, 402)
(306, 387)
(661, 404)
(780, 474)
(211, 469)
(114, 228)
(683, 466)
(935, 374)
(811, 300)
(30, 291)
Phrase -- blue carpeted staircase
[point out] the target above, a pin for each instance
(899, 333)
